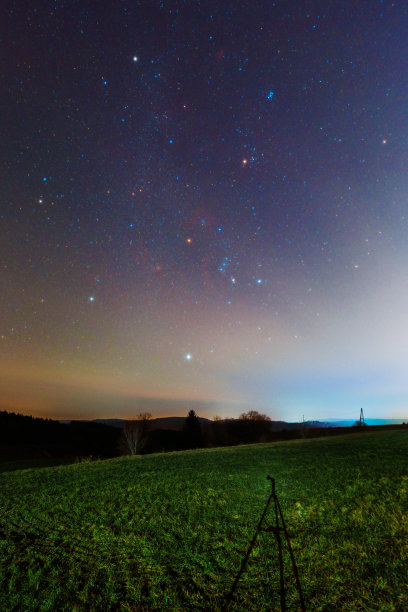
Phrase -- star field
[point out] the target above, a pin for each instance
(204, 205)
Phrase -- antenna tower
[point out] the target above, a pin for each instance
(362, 422)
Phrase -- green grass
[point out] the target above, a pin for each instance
(169, 531)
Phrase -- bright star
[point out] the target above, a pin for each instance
(135, 58)
(91, 298)
(188, 357)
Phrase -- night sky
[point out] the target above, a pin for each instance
(204, 205)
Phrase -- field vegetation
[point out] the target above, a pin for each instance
(169, 531)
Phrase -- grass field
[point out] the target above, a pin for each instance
(169, 531)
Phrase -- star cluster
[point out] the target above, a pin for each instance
(204, 203)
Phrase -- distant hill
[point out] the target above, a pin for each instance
(174, 423)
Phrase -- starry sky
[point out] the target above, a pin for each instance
(204, 205)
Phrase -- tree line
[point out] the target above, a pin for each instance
(26, 437)
(138, 437)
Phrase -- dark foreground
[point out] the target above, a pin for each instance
(169, 531)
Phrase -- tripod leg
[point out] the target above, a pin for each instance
(292, 557)
(280, 556)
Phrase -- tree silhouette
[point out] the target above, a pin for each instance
(253, 426)
(134, 434)
(192, 430)
(253, 415)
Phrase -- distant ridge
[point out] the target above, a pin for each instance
(176, 423)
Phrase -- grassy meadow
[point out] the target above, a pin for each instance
(168, 531)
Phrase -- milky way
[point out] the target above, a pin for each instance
(204, 205)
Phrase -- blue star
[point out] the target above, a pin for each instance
(270, 95)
